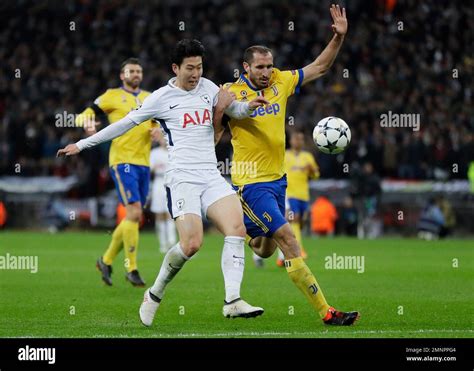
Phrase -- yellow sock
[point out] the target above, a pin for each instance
(305, 281)
(130, 243)
(115, 245)
(297, 231)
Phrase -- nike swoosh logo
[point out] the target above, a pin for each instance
(175, 268)
(238, 257)
(176, 105)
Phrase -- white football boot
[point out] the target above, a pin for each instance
(240, 308)
(148, 309)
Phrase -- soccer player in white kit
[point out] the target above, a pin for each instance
(164, 225)
(185, 108)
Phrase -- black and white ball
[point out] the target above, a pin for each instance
(332, 135)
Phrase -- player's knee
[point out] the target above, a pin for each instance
(266, 248)
(264, 253)
(238, 229)
(191, 246)
(134, 213)
(256, 242)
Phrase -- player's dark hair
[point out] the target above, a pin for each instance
(187, 48)
(130, 61)
(250, 51)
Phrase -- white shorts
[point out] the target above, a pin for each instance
(158, 196)
(193, 191)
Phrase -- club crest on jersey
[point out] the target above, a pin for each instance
(197, 118)
(275, 90)
(206, 98)
(180, 204)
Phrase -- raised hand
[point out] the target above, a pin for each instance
(339, 18)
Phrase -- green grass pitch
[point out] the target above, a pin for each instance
(408, 289)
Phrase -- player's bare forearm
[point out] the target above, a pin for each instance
(217, 123)
(218, 136)
(325, 60)
(110, 132)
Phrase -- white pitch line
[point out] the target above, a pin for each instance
(349, 332)
(263, 334)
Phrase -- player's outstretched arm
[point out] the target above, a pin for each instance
(145, 112)
(109, 133)
(240, 110)
(258, 102)
(325, 60)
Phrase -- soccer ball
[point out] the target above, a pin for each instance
(331, 135)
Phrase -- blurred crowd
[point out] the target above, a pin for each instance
(400, 56)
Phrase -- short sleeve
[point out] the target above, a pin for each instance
(105, 102)
(292, 80)
(85, 116)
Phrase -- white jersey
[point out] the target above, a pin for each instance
(158, 161)
(192, 180)
(185, 118)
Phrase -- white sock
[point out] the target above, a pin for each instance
(162, 235)
(171, 233)
(280, 255)
(172, 263)
(232, 263)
